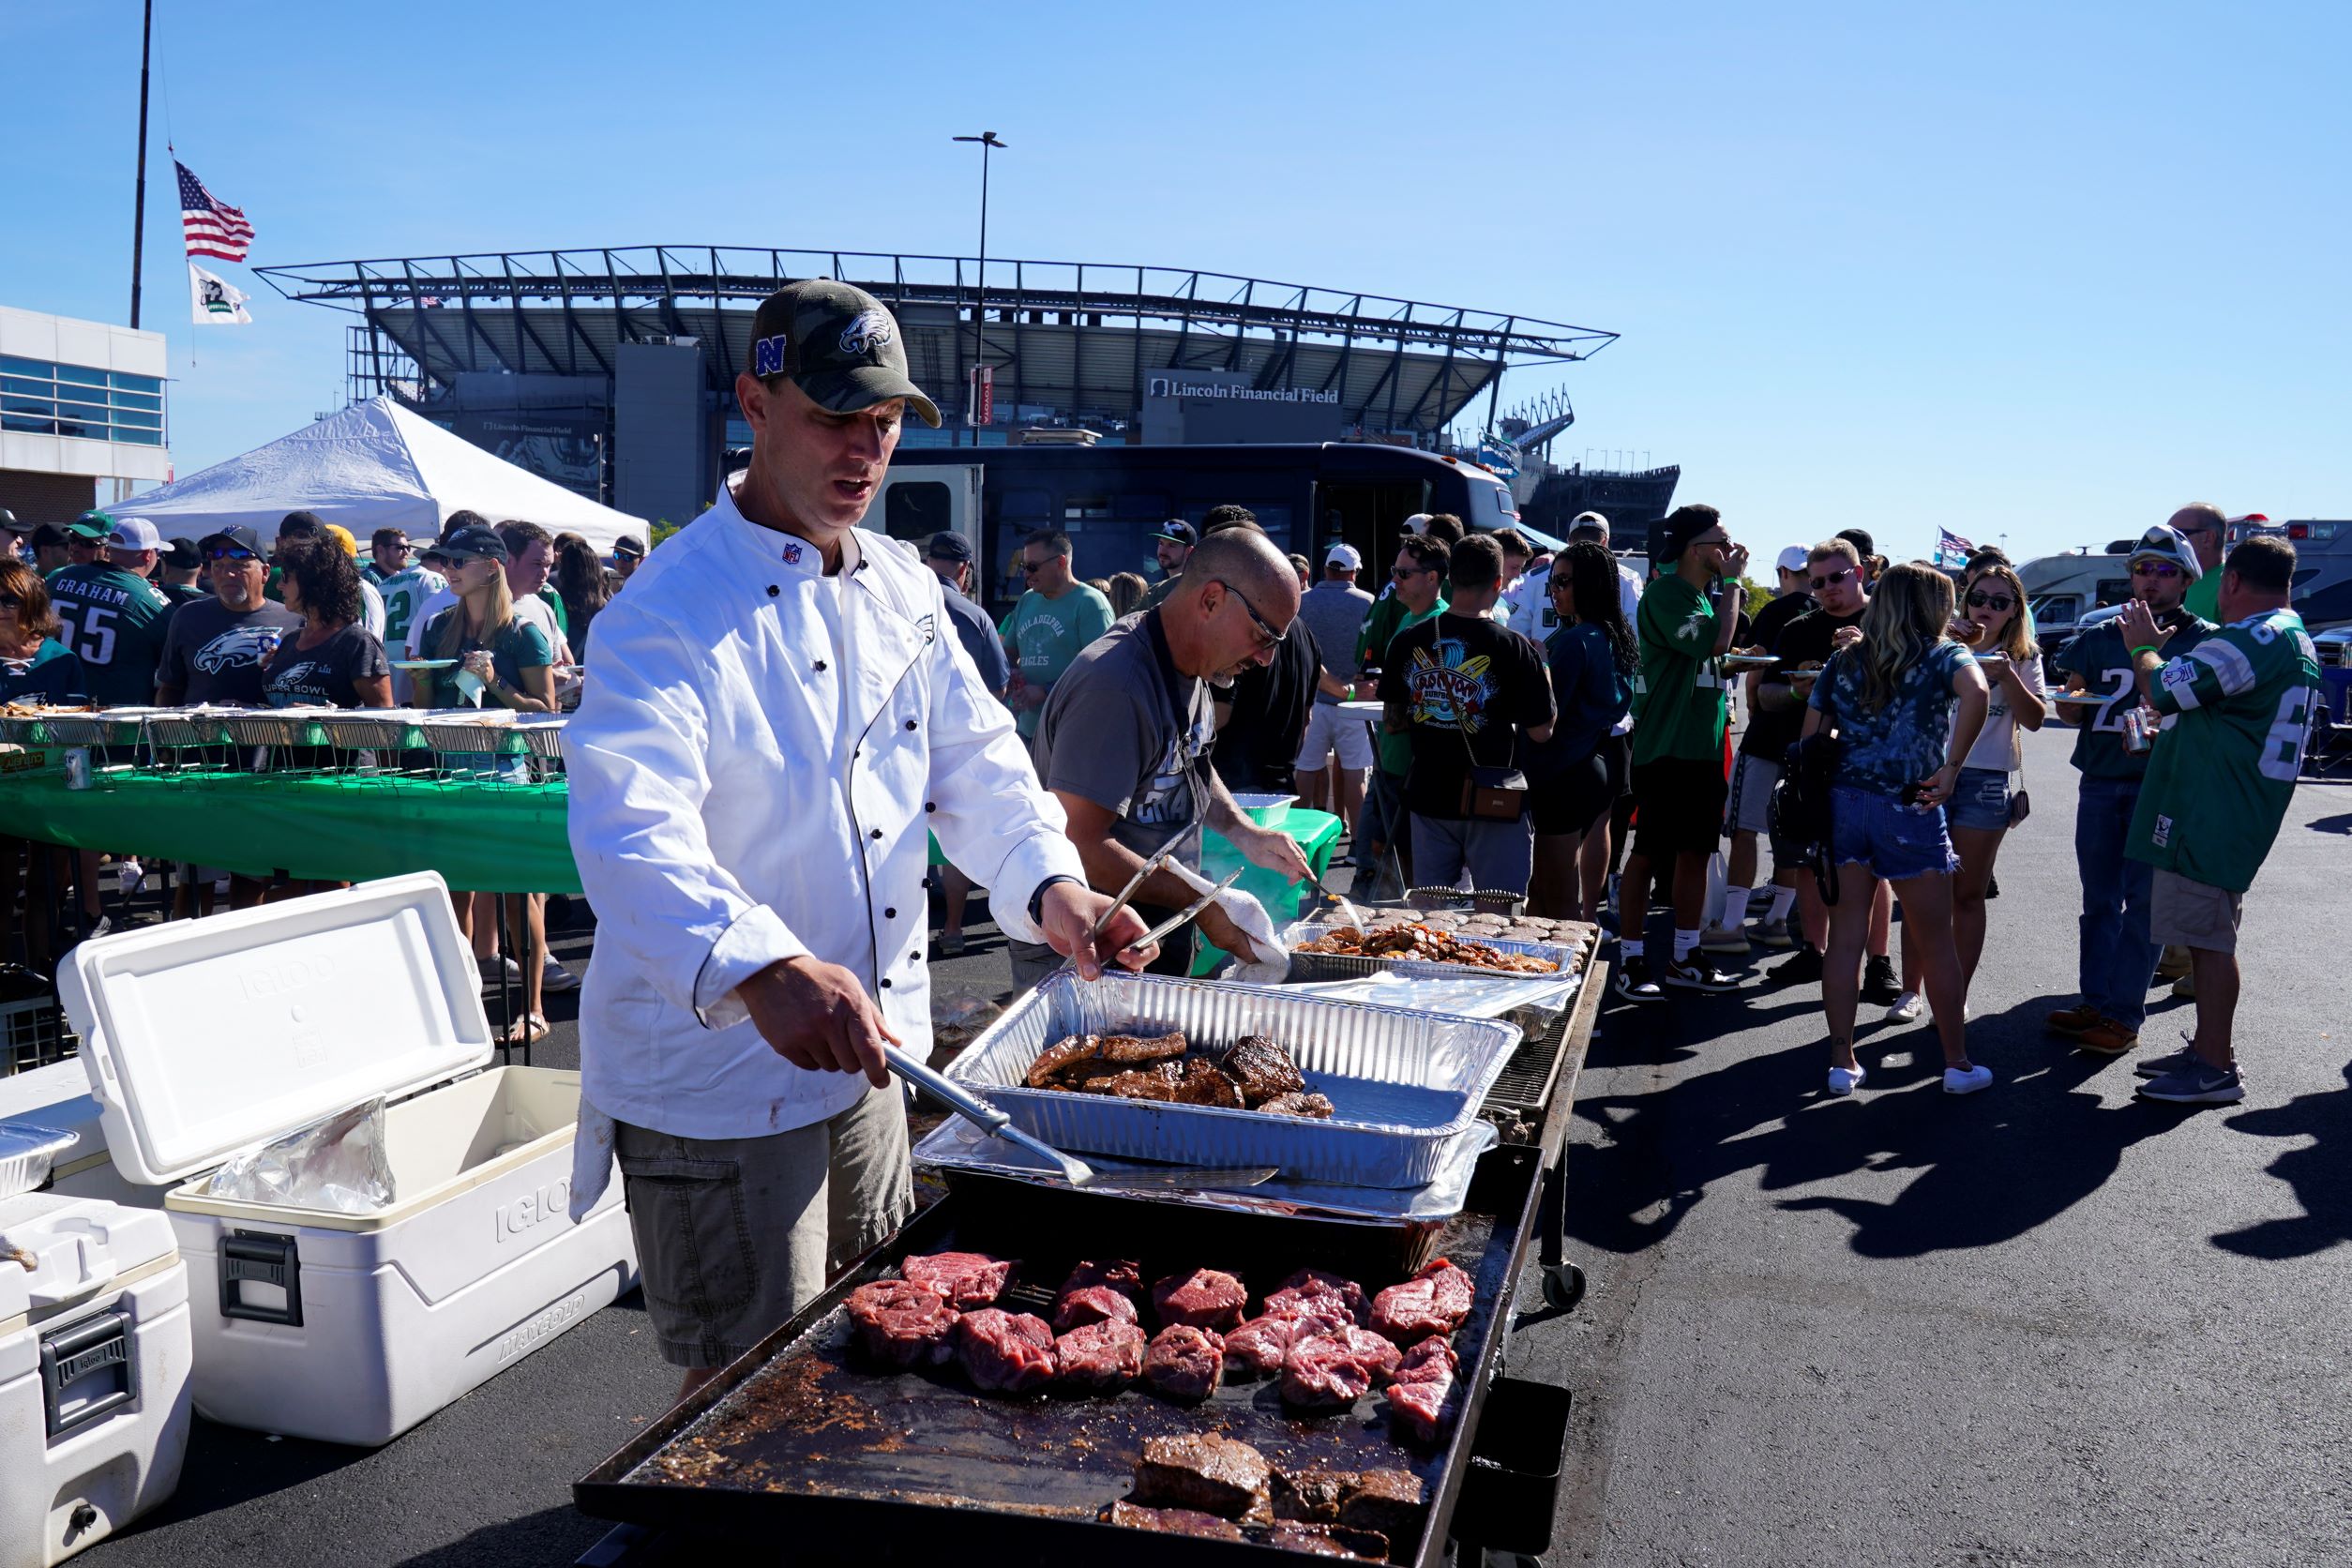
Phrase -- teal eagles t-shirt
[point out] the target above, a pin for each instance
(1045, 635)
(2099, 657)
(1902, 743)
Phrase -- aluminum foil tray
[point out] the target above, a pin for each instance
(180, 731)
(77, 728)
(1308, 968)
(461, 735)
(1402, 1084)
(362, 730)
(27, 1150)
(542, 737)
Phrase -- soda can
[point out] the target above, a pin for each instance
(78, 767)
(2136, 739)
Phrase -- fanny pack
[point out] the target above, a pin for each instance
(1490, 795)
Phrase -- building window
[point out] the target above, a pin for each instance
(37, 398)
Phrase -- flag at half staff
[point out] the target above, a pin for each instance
(213, 227)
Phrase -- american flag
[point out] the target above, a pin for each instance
(214, 227)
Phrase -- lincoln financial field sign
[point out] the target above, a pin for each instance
(1192, 407)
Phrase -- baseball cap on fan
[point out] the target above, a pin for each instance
(838, 344)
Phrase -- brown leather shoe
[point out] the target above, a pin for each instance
(2073, 1020)
(2108, 1038)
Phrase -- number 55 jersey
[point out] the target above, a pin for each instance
(2220, 774)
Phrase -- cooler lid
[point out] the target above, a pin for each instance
(201, 1037)
(64, 1249)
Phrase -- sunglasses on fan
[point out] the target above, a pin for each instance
(1991, 601)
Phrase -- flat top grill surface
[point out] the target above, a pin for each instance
(1527, 1077)
(813, 1421)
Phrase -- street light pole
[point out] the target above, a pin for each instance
(988, 143)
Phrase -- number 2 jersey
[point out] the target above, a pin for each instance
(2100, 658)
(2221, 773)
(114, 623)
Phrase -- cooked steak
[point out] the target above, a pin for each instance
(1105, 1357)
(1313, 1105)
(1307, 1540)
(1262, 1068)
(1256, 1348)
(1065, 1052)
(1333, 1370)
(1006, 1352)
(1306, 1290)
(1205, 1083)
(1392, 1502)
(1093, 1303)
(1312, 1496)
(1175, 1521)
(1204, 1298)
(1200, 1469)
(1128, 1047)
(902, 1324)
(1184, 1364)
(1157, 1080)
(1420, 1395)
(967, 1279)
(1434, 1301)
(1119, 1274)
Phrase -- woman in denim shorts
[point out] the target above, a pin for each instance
(1891, 700)
(1993, 624)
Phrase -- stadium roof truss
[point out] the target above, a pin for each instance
(1078, 338)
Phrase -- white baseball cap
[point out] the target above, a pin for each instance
(1417, 523)
(1589, 519)
(1795, 558)
(134, 533)
(1343, 556)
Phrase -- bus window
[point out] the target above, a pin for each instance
(916, 509)
(1077, 509)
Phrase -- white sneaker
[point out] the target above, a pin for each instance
(130, 874)
(1967, 1080)
(1907, 1008)
(1845, 1080)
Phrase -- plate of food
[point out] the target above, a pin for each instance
(1748, 661)
(425, 663)
(2081, 699)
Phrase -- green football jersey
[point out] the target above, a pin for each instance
(1679, 701)
(114, 623)
(2221, 773)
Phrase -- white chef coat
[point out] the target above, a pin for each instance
(752, 769)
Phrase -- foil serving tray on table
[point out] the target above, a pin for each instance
(1402, 1084)
(1310, 967)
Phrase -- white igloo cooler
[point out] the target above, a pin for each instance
(204, 1037)
(94, 1372)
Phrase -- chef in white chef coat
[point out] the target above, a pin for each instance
(780, 708)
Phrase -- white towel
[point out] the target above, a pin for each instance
(591, 1158)
(1270, 964)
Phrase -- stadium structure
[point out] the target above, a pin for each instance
(612, 370)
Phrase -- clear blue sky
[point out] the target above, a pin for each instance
(2040, 270)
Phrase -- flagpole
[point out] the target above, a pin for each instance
(138, 214)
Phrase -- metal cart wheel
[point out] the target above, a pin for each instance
(1563, 1284)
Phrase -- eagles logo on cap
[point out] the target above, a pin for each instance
(869, 332)
(838, 344)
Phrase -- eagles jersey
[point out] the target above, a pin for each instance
(2100, 658)
(114, 623)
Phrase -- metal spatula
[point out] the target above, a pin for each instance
(971, 1108)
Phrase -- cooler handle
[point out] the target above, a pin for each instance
(263, 1258)
(98, 1346)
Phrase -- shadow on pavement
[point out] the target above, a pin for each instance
(2340, 823)
(1992, 1166)
(2320, 1174)
(564, 1532)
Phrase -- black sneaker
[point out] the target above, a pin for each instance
(1880, 985)
(1695, 976)
(1802, 970)
(1633, 982)
(1992, 887)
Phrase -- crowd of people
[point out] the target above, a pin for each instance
(105, 612)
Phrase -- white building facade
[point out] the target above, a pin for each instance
(82, 417)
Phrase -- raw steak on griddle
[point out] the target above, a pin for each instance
(1434, 1301)
(1006, 1352)
(1304, 1290)
(1200, 1469)
(1175, 1521)
(1332, 1371)
(1094, 1304)
(1314, 1107)
(1204, 1298)
(1262, 1068)
(1184, 1364)
(1421, 1391)
(1119, 1274)
(1256, 1348)
(902, 1324)
(1105, 1357)
(967, 1279)
(1326, 1541)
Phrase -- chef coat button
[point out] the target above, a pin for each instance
(820, 664)
(885, 984)
(930, 806)
(876, 833)
(890, 914)
(910, 724)
(773, 591)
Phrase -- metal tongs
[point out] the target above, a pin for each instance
(971, 1108)
(1143, 873)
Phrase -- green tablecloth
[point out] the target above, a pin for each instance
(483, 836)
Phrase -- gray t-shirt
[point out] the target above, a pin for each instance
(1334, 613)
(324, 677)
(214, 654)
(1109, 734)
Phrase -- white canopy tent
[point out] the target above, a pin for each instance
(374, 465)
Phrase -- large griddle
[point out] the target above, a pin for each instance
(805, 1452)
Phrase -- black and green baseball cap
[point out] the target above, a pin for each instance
(92, 526)
(838, 344)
